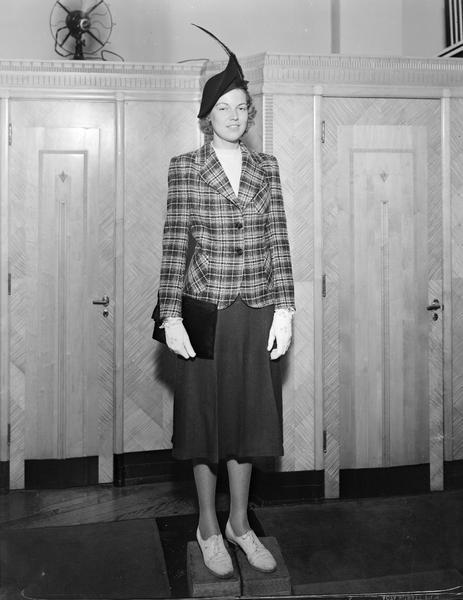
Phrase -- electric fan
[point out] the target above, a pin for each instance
(80, 28)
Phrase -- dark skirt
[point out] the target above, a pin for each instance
(231, 406)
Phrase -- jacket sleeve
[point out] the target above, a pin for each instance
(174, 243)
(279, 243)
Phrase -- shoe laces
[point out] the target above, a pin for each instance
(253, 540)
(215, 545)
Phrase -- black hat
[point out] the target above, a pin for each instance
(230, 78)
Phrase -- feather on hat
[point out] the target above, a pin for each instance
(230, 78)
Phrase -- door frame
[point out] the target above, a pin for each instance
(111, 141)
(440, 417)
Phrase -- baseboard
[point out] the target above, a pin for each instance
(273, 487)
(277, 487)
(362, 483)
(61, 473)
(151, 466)
(267, 486)
(453, 475)
(4, 476)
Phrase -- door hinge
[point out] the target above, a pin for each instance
(10, 134)
(324, 285)
(9, 284)
(324, 441)
(322, 137)
(8, 435)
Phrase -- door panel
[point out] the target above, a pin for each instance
(382, 293)
(58, 261)
(383, 249)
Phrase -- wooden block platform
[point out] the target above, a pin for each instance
(202, 583)
(255, 583)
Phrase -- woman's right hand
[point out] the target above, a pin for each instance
(177, 339)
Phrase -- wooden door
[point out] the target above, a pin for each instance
(61, 260)
(383, 255)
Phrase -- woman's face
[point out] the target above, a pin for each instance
(229, 118)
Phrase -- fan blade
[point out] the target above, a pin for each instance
(96, 23)
(65, 39)
(59, 44)
(96, 6)
(63, 7)
(94, 37)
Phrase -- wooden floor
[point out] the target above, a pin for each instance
(73, 506)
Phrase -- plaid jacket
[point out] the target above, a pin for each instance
(241, 244)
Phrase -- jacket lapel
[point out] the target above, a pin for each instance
(212, 173)
(252, 182)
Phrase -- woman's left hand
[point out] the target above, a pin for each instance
(281, 332)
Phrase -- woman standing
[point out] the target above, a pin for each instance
(228, 199)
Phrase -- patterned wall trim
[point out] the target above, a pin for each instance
(361, 70)
(268, 119)
(286, 73)
(98, 75)
(331, 74)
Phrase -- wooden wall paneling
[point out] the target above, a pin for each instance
(4, 314)
(102, 115)
(119, 279)
(331, 396)
(436, 255)
(456, 192)
(436, 388)
(154, 132)
(254, 138)
(19, 190)
(447, 314)
(293, 147)
(283, 81)
(319, 289)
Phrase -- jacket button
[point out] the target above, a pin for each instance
(239, 225)
(239, 251)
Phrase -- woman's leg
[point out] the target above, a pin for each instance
(206, 479)
(239, 477)
(238, 530)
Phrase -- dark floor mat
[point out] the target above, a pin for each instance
(175, 533)
(428, 582)
(382, 542)
(117, 560)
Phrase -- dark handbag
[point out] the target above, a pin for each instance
(199, 319)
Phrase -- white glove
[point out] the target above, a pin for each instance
(177, 338)
(281, 331)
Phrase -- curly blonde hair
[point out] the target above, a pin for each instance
(206, 126)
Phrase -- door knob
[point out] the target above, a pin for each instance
(104, 301)
(435, 305)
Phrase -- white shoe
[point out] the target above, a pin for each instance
(257, 554)
(215, 555)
